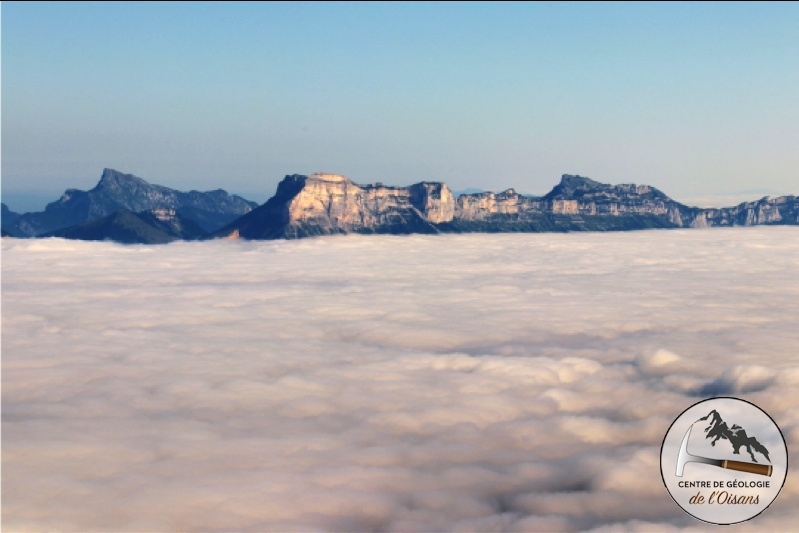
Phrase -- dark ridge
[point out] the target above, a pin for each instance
(115, 191)
(148, 227)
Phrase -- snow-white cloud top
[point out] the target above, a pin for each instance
(364, 383)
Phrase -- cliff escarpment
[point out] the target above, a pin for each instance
(121, 207)
(323, 204)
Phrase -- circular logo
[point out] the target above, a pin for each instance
(724, 460)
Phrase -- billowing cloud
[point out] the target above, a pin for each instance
(383, 383)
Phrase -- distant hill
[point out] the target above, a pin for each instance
(156, 226)
(115, 190)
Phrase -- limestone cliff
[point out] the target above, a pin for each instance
(323, 204)
(487, 205)
(335, 203)
(781, 210)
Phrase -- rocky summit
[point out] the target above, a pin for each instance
(323, 204)
(210, 210)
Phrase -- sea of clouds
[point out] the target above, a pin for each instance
(384, 383)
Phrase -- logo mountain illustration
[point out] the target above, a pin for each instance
(736, 435)
(699, 484)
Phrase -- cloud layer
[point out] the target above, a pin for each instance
(382, 383)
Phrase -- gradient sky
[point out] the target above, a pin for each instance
(691, 98)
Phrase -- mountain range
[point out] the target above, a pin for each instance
(321, 204)
(718, 429)
(125, 208)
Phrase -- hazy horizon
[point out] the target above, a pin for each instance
(22, 202)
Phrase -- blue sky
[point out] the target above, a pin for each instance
(691, 98)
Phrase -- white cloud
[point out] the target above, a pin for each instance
(423, 383)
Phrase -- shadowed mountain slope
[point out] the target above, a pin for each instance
(115, 191)
(157, 226)
(9, 221)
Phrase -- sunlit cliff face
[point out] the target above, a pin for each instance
(519, 382)
(335, 202)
